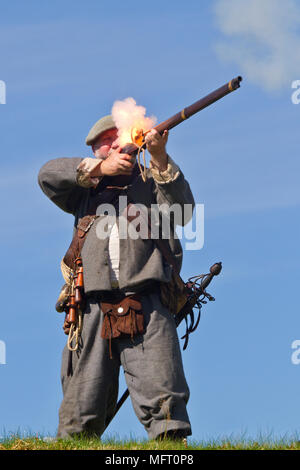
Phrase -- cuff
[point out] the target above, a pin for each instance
(84, 179)
(167, 176)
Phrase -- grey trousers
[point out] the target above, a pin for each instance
(153, 370)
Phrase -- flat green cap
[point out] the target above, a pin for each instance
(102, 125)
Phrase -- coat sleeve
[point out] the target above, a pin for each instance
(58, 180)
(172, 189)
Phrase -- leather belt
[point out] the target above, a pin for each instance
(116, 295)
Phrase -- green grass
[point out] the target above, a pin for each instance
(81, 443)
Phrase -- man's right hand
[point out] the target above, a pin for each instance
(117, 163)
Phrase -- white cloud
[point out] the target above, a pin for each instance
(263, 39)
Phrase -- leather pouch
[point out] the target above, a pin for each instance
(124, 317)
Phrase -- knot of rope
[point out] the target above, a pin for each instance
(74, 333)
(143, 171)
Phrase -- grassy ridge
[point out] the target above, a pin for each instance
(36, 443)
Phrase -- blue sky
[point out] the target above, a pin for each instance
(64, 64)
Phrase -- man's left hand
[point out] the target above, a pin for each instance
(156, 146)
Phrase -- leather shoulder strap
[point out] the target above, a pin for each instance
(77, 242)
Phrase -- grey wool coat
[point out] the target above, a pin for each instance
(140, 259)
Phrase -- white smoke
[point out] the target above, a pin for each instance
(263, 39)
(127, 115)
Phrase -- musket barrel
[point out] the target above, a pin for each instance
(190, 110)
(199, 105)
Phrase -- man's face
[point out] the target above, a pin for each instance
(103, 144)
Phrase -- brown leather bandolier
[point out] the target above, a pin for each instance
(174, 294)
(71, 299)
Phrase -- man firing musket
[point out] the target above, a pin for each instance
(123, 295)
